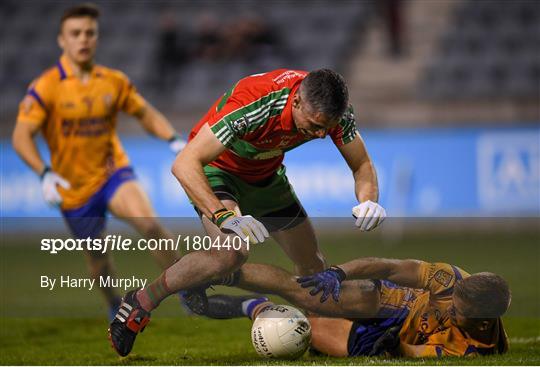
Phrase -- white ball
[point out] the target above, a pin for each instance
(281, 331)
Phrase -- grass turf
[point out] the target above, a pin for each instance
(68, 327)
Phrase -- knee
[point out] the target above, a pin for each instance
(230, 261)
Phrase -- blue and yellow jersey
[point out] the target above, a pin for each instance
(78, 120)
(427, 329)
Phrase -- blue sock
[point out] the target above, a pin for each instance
(249, 305)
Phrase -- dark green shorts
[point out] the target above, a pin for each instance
(272, 201)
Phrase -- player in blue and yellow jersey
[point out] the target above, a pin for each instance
(232, 170)
(380, 306)
(75, 105)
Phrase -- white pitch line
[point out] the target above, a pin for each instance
(535, 339)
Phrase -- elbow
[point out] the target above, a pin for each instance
(182, 167)
(16, 140)
(178, 168)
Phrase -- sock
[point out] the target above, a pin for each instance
(250, 306)
(151, 296)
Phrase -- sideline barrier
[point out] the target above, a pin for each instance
(422, 172)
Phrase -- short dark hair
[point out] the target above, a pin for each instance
(79, 11)
(326, 92)
(485, 295)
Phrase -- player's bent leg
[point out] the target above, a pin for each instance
(300, 244)
(192, 270)
(329, 335)
(130, 203)
(297, 239)
(195, 298)
(100, 265)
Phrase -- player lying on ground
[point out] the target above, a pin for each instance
(372, 306)
(232, 170)
(75, 105)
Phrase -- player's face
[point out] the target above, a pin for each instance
(471, 325)
(309, 122)
(78, 38)
(456, 315)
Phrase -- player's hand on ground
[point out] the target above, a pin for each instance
(50, 181)
(177, 143)
(245, 226)
(368, 215)
(328, 281)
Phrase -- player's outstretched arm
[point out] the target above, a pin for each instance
(405, 273)
(369, 214)
(359, 299)
(155, 123)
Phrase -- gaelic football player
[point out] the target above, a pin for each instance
(232, 170)
(75, 105)
(379, 306)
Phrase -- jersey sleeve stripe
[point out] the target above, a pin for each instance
(270, 109)
(457, 273)
(256, 112)
(32, 92)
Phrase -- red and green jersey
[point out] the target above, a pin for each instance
(254, 121)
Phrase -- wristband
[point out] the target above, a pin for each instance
(46, 170)
(340, 273)
(220, 215)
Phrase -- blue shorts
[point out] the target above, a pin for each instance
(89, 220)
(364, 333)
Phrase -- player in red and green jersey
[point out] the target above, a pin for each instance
(232, 171)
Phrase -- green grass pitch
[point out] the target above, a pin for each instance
(68, 326)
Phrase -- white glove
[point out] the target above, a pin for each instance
(246, 227)
(176, 144)
(49, 180)
(368, 215)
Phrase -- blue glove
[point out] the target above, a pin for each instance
(328, 281)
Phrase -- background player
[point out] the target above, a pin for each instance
(403, 307)
(75, 105)
(232, 171)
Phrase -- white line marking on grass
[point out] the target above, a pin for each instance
(535, 339)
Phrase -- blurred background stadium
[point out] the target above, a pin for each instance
(447, 98)
(442, 89)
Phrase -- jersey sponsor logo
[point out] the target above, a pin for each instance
(442, 277)
(67, 105)
(268, 155)
(86, 127)
(240, 125)
(285, 141)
